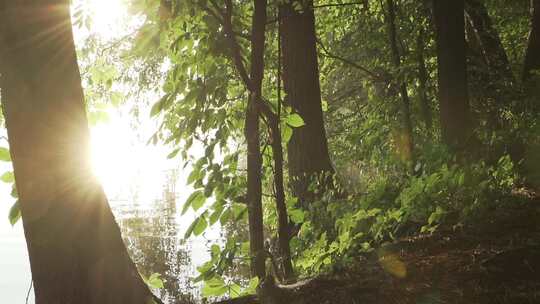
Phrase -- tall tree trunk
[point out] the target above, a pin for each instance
(307, 149)
(408, 137)
(455, 114)
(254, 162)
(284, 226)
(255, 107)
(532, 56)
(422, 81)
(284, 231)
(490, 42)
(75, 248)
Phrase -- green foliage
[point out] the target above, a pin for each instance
(4, 154)
(212, 273)
(154, 281)
(395, 206)
(14, 213)
(295, 120)
(8, 177)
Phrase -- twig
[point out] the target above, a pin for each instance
(29, 289)
(338, 4)
(327, 53)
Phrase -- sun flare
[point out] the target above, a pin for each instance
(106, 14)
(123, 163)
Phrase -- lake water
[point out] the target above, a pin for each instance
(146, 191)
(153, 232)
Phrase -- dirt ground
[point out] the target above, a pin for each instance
(495, 259)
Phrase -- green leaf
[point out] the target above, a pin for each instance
(7, 177)
(14, 192)
(214, 217)
(189, 231)
(238, 210)
(294, 120)
(215, 251)
(14, 213)
(161, 105)
(286, 131)
(252, 286)
(200, 226)
(194, 200)
(297, 216)
(155, 281)
(4, 154)
(235, 290)
(214, 287)
(226, 216)
(194, 175)
(198, 201)
(324, 106)
(173, 153)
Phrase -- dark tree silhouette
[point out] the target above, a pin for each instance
(455, 114)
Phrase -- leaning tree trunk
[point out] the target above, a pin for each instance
(490, 43)
(75, 248)
(532, 56)
(497, 76)
(308, 155)
(455, 114)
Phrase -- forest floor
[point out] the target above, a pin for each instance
(494, 259)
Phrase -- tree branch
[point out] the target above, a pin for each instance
(327, 53)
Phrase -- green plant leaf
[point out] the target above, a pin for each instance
(200, 226)
(14, 213)
(155, 281)
(198, 201)
(193, 199)
(161, 105)
(252, 286)
(286, 131)
(214, 287)
(294, 120)
(189, 231)
(14, 192)
(4, 154)
(297, 216)
(7, 177)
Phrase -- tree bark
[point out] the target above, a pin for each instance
(284, 231)
(307, 149)
(254, 162)
(257, 106)
(532, 56)
(455, 114)
(408, 137)
(490, 42)
(75, 248)
(422, 81)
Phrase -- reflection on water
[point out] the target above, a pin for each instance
(152, 234)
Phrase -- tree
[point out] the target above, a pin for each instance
(423, 81)
(495, 74)
(308, 148)
(532, 55)
(408, 141)
(75, 248)
(254, 162)
(490, 42)
(455, 114)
